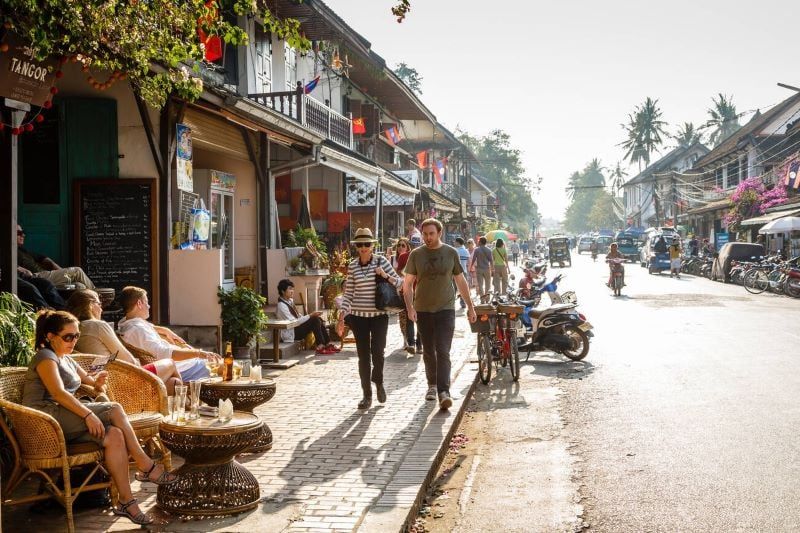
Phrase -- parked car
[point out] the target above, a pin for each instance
(603, 242)
(584, 241)
(733, 251)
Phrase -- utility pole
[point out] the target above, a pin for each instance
(674, 202)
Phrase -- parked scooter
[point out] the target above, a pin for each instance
(617, 275)
(559, 328)
(541, 287)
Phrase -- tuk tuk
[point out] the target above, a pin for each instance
(603, 243)
(558, 251)
(628, 247)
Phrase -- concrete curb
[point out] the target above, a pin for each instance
(397, 506)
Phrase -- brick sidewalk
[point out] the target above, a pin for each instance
(330, 463)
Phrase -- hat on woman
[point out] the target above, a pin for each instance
(363, 235)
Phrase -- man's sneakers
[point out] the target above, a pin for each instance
(431, 394)
(445, 401)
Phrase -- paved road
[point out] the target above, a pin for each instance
(682, 418)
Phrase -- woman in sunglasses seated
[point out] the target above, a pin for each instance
(308, 323)
(98, 338)
(50, 385)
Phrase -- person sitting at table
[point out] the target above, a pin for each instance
(98, 338)
(137, 331)
(308, 323)
(36, 265)
(50, 384)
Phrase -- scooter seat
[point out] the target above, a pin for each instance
(526, 303)
(537, 313)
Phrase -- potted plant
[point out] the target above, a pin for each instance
(17, 331)
(243, 318)
(331, 287)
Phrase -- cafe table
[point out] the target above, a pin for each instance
(210, 482)
(245, 395)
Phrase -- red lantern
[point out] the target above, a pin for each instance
(15, 131)
(59, 74)
(53, 90)
(39, 118)
(47, 105)
(29, 127)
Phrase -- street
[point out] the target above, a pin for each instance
(681, 418)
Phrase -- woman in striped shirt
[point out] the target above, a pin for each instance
(368, 323)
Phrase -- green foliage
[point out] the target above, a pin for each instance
(602, 213)
(687, 134)
(17, 331)
(298, 237)
(504, 173)
(410, 77)
(724, 119)
(587, 186)
(242, 315)
(335, 279)
(401, 9)
(644, 132)
(133, 36)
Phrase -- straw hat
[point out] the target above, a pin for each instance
(363, 235)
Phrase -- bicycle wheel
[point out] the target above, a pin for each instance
(484, 358)
(776, 281)
(513, 357)
(755, 281)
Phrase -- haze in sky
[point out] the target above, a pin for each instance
(560, 77)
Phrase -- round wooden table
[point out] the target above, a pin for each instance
(245, 395)
(210, 482)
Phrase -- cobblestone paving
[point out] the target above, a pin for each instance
(329, 463)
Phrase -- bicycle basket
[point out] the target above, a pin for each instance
(510, 309)
(484, 313)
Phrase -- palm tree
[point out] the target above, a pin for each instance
(645, 130)
(687, 134)
(593, 174)
(617, 178)
(723, 119)
(574, 184)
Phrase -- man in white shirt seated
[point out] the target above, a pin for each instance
(137, 331)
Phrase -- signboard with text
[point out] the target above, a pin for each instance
(721, 239)
(22, 77)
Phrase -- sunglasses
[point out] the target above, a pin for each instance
(363, 244)
(69, 337)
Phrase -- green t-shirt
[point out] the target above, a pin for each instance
(500, 256)
(434, 270)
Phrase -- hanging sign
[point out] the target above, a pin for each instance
(22, 77)
(183, 161)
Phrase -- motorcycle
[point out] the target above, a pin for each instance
(617, 275)
(559, 328)
(539, 287)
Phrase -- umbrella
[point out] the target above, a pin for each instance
(500, 234)
(781, 225)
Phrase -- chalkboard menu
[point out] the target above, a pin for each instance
(115, 225)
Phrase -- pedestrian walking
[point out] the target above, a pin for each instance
(368, 323)
(483, 264)
(471, 280)
(463, 256)
(514, 249)
(430, 298)
(412, 233)
(500, 261)
(675, 258)
(399, 260)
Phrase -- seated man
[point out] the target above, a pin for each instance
(38, 292)
(31, 264)
(137, 331)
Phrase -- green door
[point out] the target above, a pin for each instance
(78, 139)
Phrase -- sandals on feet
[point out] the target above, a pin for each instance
(140, 518)
(166, 478)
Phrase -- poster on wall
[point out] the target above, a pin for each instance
(183, 160)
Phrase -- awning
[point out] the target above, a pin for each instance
(351, 166)
(768, 217)
(716, 205)
(440, 202)
(390, 182)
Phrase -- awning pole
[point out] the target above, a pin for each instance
(377, 208)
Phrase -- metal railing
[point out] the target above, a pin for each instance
(311, 113)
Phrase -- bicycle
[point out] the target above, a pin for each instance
(497, 337)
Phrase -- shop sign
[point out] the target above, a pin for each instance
(183, 160)
(721, 239)
(223, 180)
(22, 77)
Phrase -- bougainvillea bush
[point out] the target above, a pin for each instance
(751, 199)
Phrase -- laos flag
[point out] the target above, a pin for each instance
(792, 179)
(439, 169)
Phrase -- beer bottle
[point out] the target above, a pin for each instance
(228, 362)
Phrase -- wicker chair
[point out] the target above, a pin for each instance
(142, 396)
(40, 449)
(142, 355)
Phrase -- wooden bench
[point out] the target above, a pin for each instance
(276, 326)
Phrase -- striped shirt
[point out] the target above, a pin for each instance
(359, 287)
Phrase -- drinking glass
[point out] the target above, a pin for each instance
(237, 370)
(180, 402)
(255, 373)
(245, 369)
(171, 408)
(194, 399)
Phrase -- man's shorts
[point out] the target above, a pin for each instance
(675, 264)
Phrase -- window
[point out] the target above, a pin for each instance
(290, 60)
(262, 47)
(719, 178)
(733, 174)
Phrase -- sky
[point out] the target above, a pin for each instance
(561, 76)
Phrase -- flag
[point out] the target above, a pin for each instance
(422, 159)
(213, 44)
(792, 179)
(359, 127)
(392, 135)
(439, 169)
(310, 86)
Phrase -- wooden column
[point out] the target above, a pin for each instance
(9, 180)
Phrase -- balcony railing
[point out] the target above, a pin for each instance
(455, 192)
(312, 114)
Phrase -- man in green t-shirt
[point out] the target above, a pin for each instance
(428, 291)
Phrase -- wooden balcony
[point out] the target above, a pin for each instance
(310, 113)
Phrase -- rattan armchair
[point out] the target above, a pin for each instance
(40, 449)
(144, 356)
(142, 396)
